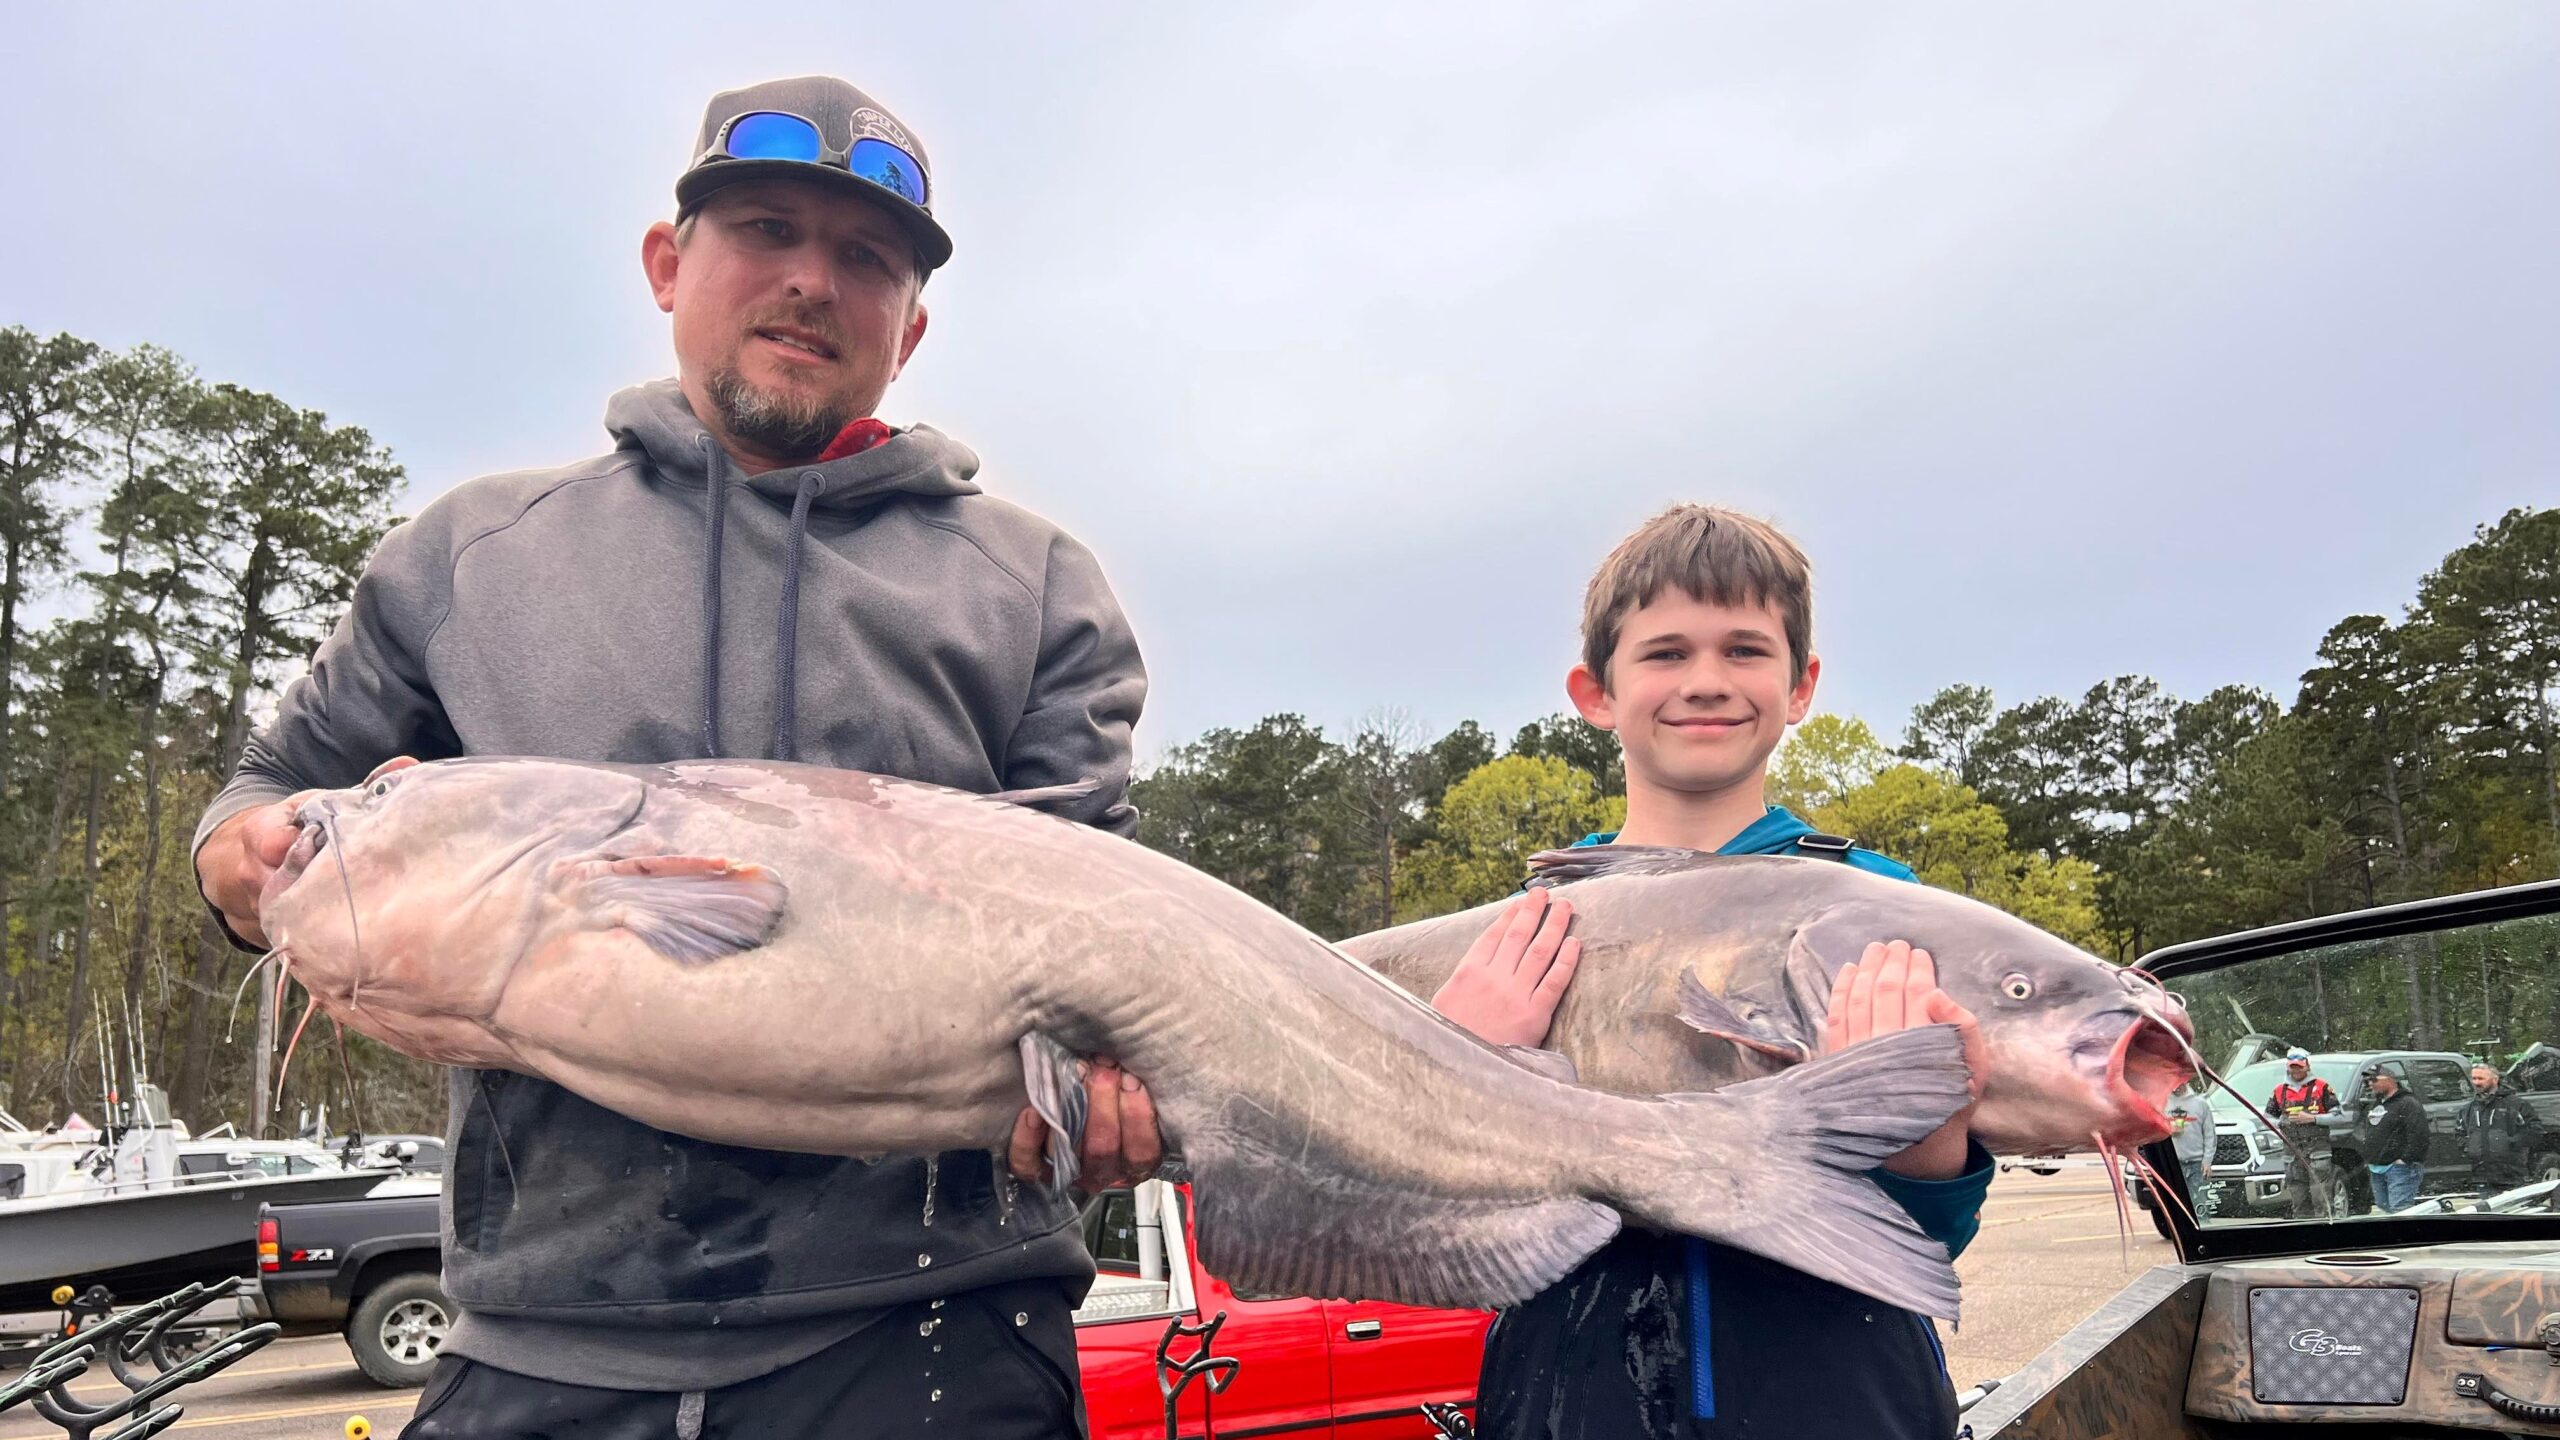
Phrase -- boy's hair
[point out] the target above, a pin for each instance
(1717, 557)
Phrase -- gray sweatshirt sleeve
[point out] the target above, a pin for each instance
(367, 697)
(1085, 694)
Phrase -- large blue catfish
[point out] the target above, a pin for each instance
(1702, 970)
(800, 958)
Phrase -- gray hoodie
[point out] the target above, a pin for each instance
(876, 612)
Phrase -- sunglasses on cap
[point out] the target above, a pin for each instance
(773, 135)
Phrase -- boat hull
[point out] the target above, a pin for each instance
(144, 1245)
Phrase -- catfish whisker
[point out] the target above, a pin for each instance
(242, 989)
(310, 1004)
(338, 852)
(2160, 1189)
(2115, 1186)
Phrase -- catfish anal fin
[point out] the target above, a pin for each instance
(1270, 1222)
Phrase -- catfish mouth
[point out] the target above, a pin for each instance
(306, 848)
(2149, 1061)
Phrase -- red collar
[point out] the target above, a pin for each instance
(855, 438)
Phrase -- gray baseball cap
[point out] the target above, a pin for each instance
(858, 145)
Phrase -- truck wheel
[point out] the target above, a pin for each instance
(397, 1331)
(2546, 1166)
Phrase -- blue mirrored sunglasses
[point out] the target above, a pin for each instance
(773, 135)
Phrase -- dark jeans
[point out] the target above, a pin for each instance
(991, 1378)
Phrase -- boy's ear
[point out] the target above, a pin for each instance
(1591, 697)
(1800, 699)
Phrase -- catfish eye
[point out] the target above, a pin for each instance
(2017, 987)
(379, 788)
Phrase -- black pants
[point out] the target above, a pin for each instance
(1607, 1354)
(992, 1379)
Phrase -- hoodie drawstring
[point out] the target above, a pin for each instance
(786, 675)
(786, 680)
(715, 486)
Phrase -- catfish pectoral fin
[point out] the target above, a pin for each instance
(1708, 1013)
(685, 907)
(1054, 1079)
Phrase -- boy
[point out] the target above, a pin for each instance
(1697, 651)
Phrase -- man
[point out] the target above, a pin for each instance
(2299, 1103)
(2191, 1138)
(758, 568)
(2391, 1135)
(2497, 1132)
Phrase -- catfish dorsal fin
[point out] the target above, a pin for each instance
(685, 907)
(1586, 862)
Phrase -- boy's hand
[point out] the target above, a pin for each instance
(1894, 987)
(1122, 1145)
(1507, 987)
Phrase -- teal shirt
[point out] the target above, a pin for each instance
(1948, 1211)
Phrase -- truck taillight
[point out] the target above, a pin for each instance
(269, 1234)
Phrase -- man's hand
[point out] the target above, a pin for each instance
(1507, 987)
(1122, 1145)
(234, 862)
(1894, 987)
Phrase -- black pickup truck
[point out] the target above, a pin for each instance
(366, 1268)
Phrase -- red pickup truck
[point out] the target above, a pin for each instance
(1350, 1370)
(1355, 1370)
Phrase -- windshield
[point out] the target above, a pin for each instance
(2425, 1007)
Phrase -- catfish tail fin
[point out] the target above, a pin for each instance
(1778, 1166)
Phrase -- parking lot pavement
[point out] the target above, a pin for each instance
(2046, 1257)
(291, 1390)
(2048, 1254)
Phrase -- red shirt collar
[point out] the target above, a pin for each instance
(855, 438)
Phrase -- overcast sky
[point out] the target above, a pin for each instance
(2071, 340)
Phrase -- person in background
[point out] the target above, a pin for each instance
(2391, 1134)
(2299, 1103)
(2191, 1137)
(2497, 1132)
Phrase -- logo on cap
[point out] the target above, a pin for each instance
(867, 121)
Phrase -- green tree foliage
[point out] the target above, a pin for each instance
(2493, 609)
(1491, 822)
(193, 542)
(1824, 759)
(1947, 731)
(1939, 827)
(1578, 743)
